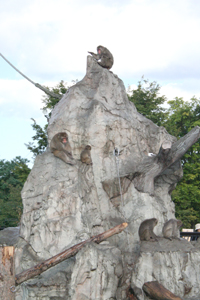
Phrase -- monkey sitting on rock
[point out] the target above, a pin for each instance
(146, 230)
(103, 57)
(86, 155)
(61, 148)
(171, 229)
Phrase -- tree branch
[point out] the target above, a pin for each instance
(45, 265)
(157, 291)
(144, 172)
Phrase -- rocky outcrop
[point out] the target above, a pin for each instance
(9, 236)
(174, 264)
(65, 204)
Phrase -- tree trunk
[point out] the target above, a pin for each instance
(156, 291)
(151, 167)
(41, 267)
(7, 278)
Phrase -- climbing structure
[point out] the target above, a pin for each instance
(65, 203)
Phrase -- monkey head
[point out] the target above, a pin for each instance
(63, 137)
(99, 48)
(88, 147)
(155, 221)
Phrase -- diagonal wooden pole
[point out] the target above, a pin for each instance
(52, 94)
(45, 265)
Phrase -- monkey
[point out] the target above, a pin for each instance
(61, 148)
(171, 229)
(86, 156)
(146, 230)
(105, 57)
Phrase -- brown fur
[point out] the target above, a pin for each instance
(61, 148)
(105, 57)
(171, 229)
(146, 230)
(86, 155)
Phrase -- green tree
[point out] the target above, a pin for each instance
(178, 119)
(13, 174)
(40, 139)
(182, 117)
(148, 102)
(49, 102)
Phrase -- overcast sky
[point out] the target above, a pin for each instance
(48, 41)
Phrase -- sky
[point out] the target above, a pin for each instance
(48, 40)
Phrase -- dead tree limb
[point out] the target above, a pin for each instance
(45, 265)
(157, 291)
(151, 167)
(168, 154)
(144, 171)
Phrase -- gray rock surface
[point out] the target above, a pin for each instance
(174, 264)
(9, 236)
(65, 204)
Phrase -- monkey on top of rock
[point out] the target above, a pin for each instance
(103, 57)
(61, 148)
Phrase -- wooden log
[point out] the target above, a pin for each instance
(151, 167)
(7, 277)
(45, 265)
(157, 291)
(142, 172)
(164, 153)
(146, 170)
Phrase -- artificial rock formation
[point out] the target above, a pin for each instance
(174, 264)
(65, 204)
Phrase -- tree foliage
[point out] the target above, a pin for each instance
(13, 174)
(148, 102)
(40, 138)
(182, 117)
(49, 102)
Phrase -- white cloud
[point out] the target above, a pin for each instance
(53, 37)
(48, 41)
(19, 98)
(172, 90)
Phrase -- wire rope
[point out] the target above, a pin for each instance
(35, 84)
(116, 153)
